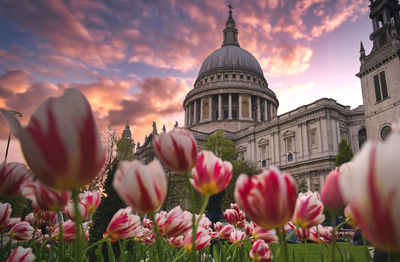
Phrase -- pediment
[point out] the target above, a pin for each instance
(289, 133)
(263, 141)
(241, 148)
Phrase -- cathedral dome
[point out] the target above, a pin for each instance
(230, 57)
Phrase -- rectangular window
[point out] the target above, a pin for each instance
(254, 79)
(226, 76)
(233, 76)
(205, 80)
(212, 78)
(241, 77)
(313, 137)
(248, 78)
(218, 77)
(380, 85)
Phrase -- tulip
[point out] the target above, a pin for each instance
(21, 254)
(236, 237)
(21, 231)
(248, 228)
(143, 187)
(268, 235)
(308, 210)
(147, 236)
(70, 210)
(226, 231)
(210, 175)
(177, 149)
(331, 195)
(5, 211)
(61, 143)
(204, 222)
(48, 217)
(349, 215)
(91, 200)
(12, 176)
(260, 252)
(122, 225)
(147, 223)
(9, 224)
(315, 233)
(232, 216)
(218, 226)
(44, 197)
(176, 223)
(268, 198)
(303, 234)
(371, 185)
(202, 240)
(35, 220)
(176, 242)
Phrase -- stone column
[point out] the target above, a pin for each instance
(195, 112)
(186, 116)
(240, 106)
(190, 114)
(258, 109)
(201, 109)
(266, 110)
(230, 106)
(219, 107)
(250, 109)
(210, 108)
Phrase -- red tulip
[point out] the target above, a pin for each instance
(236, 237)
(22, 231)
(21, 254)
(176, 242)
(232, 216)
(143, 187)
(44, 197)
(260, 252)
(248, 228)
(371, 185)
(218, 226)
(91, 200)
(122, 225)
(177, 149)
(12, 176)
(61, 143)
(225, 231)
(308, 210)
(303, 234)
(147, 223)
(211, 175)
(69, 231)
(146, 236)
(331, 195)
(202, 240)
(268, 198)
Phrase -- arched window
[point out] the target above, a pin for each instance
(362, 136)
(290, 157)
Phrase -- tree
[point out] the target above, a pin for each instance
(345, 154)
(125, 149)
(301, 185)
(221, 146)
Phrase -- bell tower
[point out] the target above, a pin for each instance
(380, 70)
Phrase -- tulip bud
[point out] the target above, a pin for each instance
(331, 195)
(122, 225)
(260, 251)
(44, 197)
(70, 210)
(12, 176)
(91, 200)
(22, 231)
(202, 240)
(308, 210)
(236, 237)
(5, 211)
(21, 254)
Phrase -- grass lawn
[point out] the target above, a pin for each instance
(312, 252)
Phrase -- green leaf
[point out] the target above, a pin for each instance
(110, 252)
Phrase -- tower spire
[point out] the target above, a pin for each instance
(362, 50)
(230, 31)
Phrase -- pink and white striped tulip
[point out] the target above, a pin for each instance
(202, 240)
(315, 233)
(22, 231)
(303, 234)
(218, 226)
(69, 231)
(21, 254)
(48, 217)
(61, 143)
(232, 216)
(147, 223)
(236, 237)
(211, 175)
(331, 194)
(91, 200)
(143, 187)
(268, 235)
(225, 231)
(176, 242)
(12, 176)
(122, 225)
(308, 211)
(204, 222)
(34, 220)
(44, 197)
(268, 198)
(248, 228)
(371, 185)
(177, 149)
(260, 252)
(5, 211)
(175, 223)
(70, 211)
(10, 223)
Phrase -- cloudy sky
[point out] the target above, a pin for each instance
(135, 60)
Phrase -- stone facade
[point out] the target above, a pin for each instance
(380, 70)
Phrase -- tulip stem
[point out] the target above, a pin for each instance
(78, 225)
(95, 244)
(365, 247)
(60, 236)
(192, 197)
(341, 224)
(293, 232)
(180, 256)
(282, 240)
(158, 240)
(333, 241)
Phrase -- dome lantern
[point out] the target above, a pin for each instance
(230, 31)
